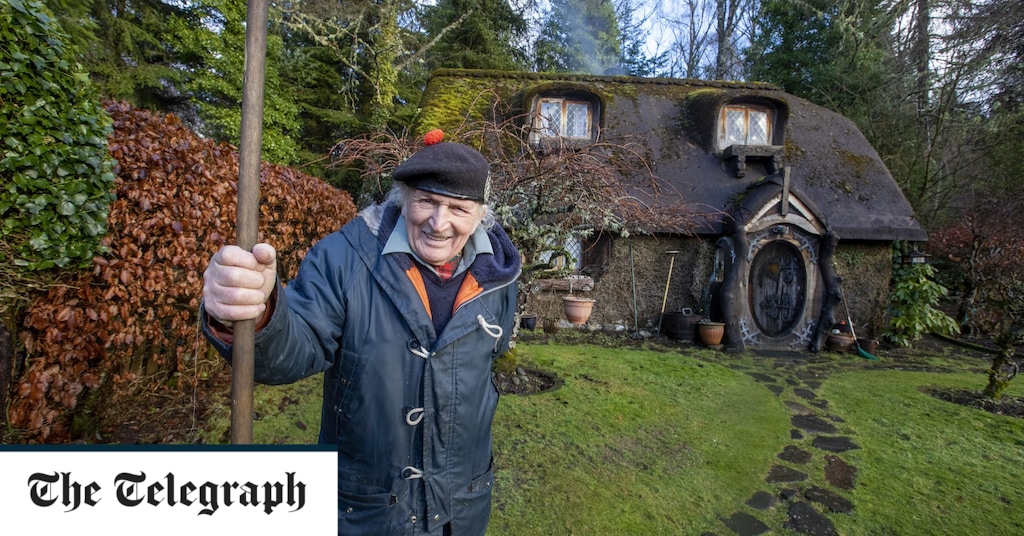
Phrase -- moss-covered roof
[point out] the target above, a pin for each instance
(831, 163)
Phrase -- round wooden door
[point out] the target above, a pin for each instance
(778, 288)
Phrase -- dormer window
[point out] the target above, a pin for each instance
(566, 119)
(746, 134)
(745, 125)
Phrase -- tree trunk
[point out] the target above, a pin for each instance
(998, 377)
(921, 54)
(964, 313)
(383, 74)
(832, 294)
(725, 14)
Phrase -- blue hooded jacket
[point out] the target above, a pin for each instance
(409, 409)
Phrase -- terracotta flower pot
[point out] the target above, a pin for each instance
(577, 310)
(711, 333)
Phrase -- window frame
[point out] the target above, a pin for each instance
(540, 133)
(746, 108)
(571, 246)
(593, 254)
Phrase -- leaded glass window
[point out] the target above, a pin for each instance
(745, 125)
(563, 117)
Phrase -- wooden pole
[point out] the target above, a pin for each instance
(247, 225)
(664, 299)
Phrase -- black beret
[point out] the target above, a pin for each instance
(446, 168)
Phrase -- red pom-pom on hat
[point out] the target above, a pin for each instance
(432, 137)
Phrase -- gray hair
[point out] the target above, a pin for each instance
(402, 193)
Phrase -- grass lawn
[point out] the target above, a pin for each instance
(928, 466)
(634, 442)
(646, 441)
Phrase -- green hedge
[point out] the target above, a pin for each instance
(56, 177)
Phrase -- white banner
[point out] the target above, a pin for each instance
(173, 490)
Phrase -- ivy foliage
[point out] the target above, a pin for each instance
(56, 178)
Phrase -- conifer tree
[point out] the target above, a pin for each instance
(831, 53)
(127, 48)
(214, 54)
(634, 33)
(579, 36)
(475, 34)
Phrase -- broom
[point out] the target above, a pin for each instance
(860, 351)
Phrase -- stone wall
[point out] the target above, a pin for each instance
(613, 289)
(864, 267)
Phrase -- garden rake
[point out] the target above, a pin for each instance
(860, 351)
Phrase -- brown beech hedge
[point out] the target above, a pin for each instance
(131, 321)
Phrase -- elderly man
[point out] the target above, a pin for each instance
(403, 310)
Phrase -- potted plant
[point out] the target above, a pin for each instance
(528, 321)
(577, 310)
(711, 333)
(840, 338)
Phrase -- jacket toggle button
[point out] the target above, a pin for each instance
(410, 473)
(414, 416)
(417, 349)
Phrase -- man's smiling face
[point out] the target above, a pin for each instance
(439, 226)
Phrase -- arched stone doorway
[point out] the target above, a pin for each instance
(771, 292)
(777, 290)
(782, 287)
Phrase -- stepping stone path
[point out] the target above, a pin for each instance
(762, 500)
(817, 443)
(813, 424)
(805, 519)
(742, 523)
(793, 454)
(839, 473)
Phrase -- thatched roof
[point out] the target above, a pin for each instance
(831, 163)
